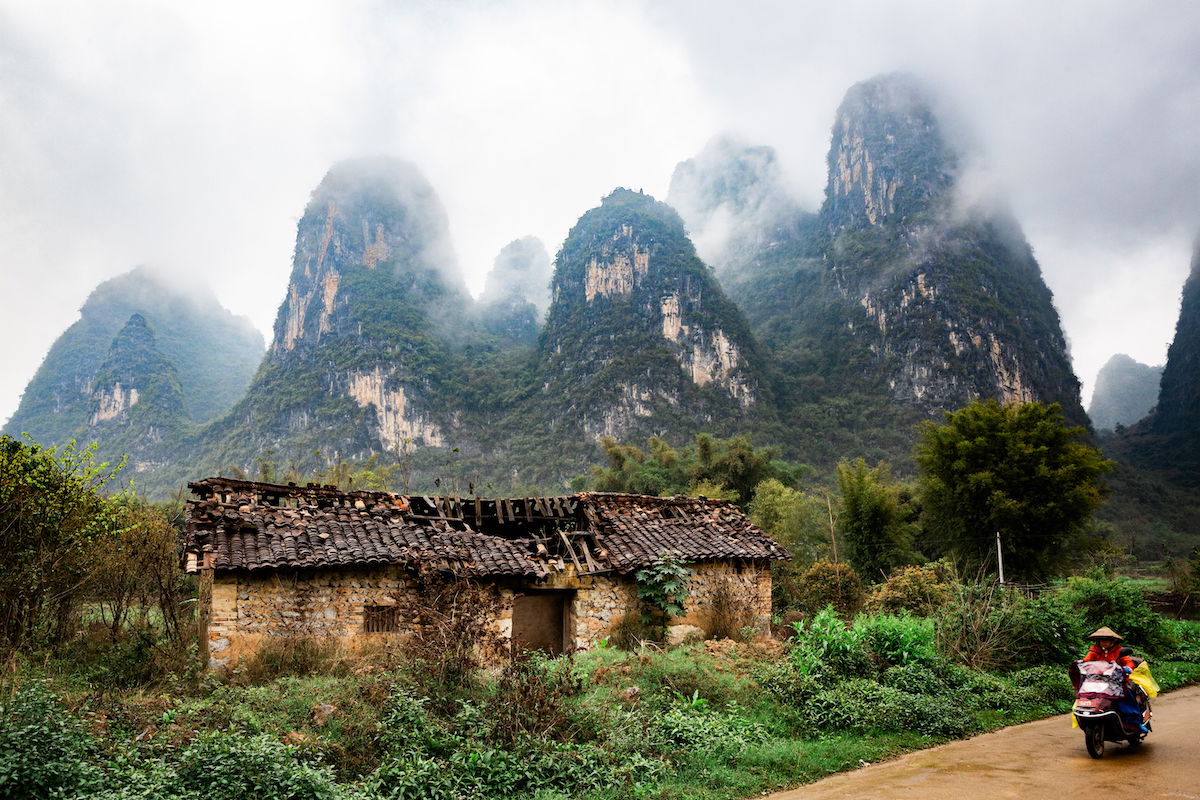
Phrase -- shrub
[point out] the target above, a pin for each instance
(663, 589)
(629, 632)
(1046, 630)
(530, 699)
(919, 590)
(690, 724)
(1048, 684)
(231, 766)
(864, 705)
(830, 583)
(918, 679)
(978, 627)
(43, 749)
(784, 683)
(897, 638)
(1119, 604)
(452, 639)
(826, 645)
(410, 776)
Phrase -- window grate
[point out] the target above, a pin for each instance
(381, 619)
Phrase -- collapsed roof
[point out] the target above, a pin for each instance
(244, 525)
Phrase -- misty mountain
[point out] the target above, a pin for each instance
(829, 334)
(516, 292)
(137, 405)
(362, 360)
(640, 339)
(895, 297)
(1126, 391)
(213, 353)
(734, 203)
(1155, 501)
(1178, 411)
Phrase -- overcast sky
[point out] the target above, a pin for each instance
(188, 135)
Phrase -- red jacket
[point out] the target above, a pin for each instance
(1096, 653)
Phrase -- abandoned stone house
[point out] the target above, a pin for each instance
(284, 560)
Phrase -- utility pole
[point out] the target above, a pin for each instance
(1000, 557)
(832, 527)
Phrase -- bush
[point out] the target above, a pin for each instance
(830, 583)
(452, 639)
(1048, 684)
(978, 627)
(919, 590)
(825, 645)
(629, 632)
(530, 699)
(44, 751)
(892, 639)
(691, 724)
(1047, 630)
(864, 705)
(1119, 604)
(230, 766)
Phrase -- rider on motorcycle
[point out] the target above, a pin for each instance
(1106, 646)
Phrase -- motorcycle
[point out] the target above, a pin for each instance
(1110, 704)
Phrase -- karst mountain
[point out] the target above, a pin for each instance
(897, 295)
(212, 355)
(827, 332)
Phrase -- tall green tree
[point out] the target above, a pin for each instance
(799, 521)
(875, 526)
(713, 467)
(1018, 470)
(53, 523)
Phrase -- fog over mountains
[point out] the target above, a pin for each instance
(827, 332)
(182, 137)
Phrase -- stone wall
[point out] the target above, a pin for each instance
(246, 608)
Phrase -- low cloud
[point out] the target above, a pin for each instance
(190, 136)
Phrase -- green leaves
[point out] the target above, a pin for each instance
(1017, 469)
(52, 521)
(662, 588)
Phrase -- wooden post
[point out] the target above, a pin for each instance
(204, 608)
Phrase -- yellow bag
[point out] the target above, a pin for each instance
(1142, 677)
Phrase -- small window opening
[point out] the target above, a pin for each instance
(381, 619)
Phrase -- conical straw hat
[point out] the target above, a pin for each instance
(1106, 633)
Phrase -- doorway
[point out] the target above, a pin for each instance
(540, 620)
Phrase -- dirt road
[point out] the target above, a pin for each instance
(1043, 759)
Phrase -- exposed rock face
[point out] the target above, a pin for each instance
(398, 425)
(213, 353)
(136, 401)
(366, 215)
(1178, 411)
(952, 305)
(640, 338)
(361, 359)
(897, 293)
(889, 158)
(1125, 392)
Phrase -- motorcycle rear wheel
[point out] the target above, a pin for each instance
(1093, 737)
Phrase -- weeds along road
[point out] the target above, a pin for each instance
(1045, 759)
